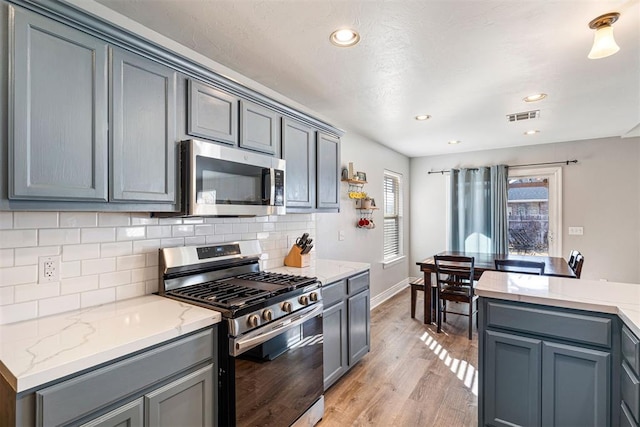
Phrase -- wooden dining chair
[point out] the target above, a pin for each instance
(577, 265)
(417, 285)
(454, 279)
(520, 266)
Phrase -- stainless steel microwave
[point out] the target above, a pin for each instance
(225, 181)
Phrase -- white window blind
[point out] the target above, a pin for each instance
(392, 215)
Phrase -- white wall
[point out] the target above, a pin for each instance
(601, 193)
(360, 244)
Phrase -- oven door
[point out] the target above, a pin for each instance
(278, 372)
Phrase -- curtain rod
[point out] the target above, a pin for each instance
(566, 162)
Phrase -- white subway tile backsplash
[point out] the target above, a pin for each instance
(98, 266)
(18, 312)
(49, 306)
(142, 246)
(114, 219)
(35, 292)
(76, 285)
(153, 258)
(210, 220)
(130, 291)
(195, 241)
(194, 220)
(231, 237)
(130, 262)
(131, 233)
(213, 239)
(117, 278)
(31, 256)
(249, 236)
(223, 228)
(6, 220)
(151, 273)
(6, 295)
(182, 230)
(35, 220)
(240, 228)
(18, 275)
(70, 269)
(18, 238)
(171, 243)
(167, 221)
(78, 219)
(101, 296)
(108, 250)
(137, 275)
(151, 286)
(158, 231)
(80, 252)
(142, 219)
(6, 258)
(58, 236)
(203, 230)
(98, 235)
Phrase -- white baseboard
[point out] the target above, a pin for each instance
(382, 297)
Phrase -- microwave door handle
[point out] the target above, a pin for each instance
(258, 337)
(272, 188)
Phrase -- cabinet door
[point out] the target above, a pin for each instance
(187, 401)
(328, 184)
(334, 331)
(260, 128)
(358, 326)
(213, 114)
(58, 112)
(143, 146)
(299, 150)
(576, 386)
(512, 382)
(129, 415)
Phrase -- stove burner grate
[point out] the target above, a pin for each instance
(220, 293)
(289, 280)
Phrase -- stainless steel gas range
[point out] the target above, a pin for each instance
(270, 340)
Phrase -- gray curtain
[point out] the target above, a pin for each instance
(479, 209)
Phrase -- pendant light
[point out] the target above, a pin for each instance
(603, 42)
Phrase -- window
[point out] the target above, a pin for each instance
(392, 215)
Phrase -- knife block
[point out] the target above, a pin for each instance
(296, 259)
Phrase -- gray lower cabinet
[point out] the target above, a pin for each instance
(58, 124)
(212, 113)
(630, 379)
(143, 145)
(328, 167)
(260, 128)
(346, 325)
(543, 366)
(128, 415)
(299, 151)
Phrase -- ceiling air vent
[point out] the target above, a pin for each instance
(527, 115)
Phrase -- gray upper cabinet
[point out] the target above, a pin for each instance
(299, 150)
(213, 114)
(58, 112)
(328, 184)
(143, 112)
(260, 128)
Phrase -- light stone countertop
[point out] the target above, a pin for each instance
(326, 270)
(622, 299)
(37, 351)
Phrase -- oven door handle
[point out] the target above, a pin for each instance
(259, 336)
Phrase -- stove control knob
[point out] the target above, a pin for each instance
(286, 307)
(304, 300)
(267, 315)
(313, 296)
(253, 320)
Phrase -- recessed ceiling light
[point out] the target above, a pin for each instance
(531, 132)
(453, 142)
(534, 97)
(423, 117)
(344, 37)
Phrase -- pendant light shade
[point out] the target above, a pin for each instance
(603, 43)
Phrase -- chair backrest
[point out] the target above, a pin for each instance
(577, 265)
(455, 271)
(520, 266)
(572, 258)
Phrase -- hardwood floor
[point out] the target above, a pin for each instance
(413, 376)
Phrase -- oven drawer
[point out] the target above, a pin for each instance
(84, 394)
(334, 292)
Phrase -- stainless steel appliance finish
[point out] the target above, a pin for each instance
(225, 181)
(270, 340)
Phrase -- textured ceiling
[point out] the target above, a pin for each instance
(466, 63)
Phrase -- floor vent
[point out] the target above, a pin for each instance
(527, 115)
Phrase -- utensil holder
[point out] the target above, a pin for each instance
(296, 259)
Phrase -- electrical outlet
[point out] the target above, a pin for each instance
(341, 235)
(49, 270)
(576, 231)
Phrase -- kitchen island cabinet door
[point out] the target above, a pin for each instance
(328, 184)
(299, 151)
(185, 402)
(129, 415)
(58, 111)
(359, 322)
(334, 331)
(143, 142)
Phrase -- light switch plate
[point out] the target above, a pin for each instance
(575, 231)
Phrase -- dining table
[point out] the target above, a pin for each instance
(553, 266)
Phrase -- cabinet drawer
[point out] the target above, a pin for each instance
(631, 349)
(630, 391)
(334, 292)
(68, 400)
(557, 324)
(358, 283)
